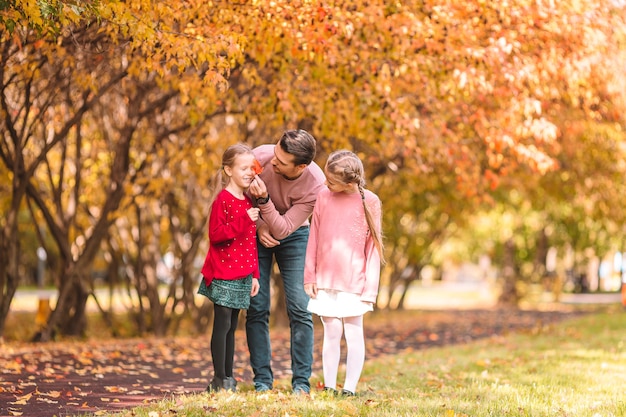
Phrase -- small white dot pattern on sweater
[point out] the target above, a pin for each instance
(232, 237)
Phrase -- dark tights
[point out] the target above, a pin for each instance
(223, 340)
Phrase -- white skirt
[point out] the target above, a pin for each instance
(330, 303)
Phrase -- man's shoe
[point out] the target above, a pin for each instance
(260, 387)
(301, 390)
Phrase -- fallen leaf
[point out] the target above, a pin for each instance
(52, 394)
(115, 389)
(46, 400)
(25, 397)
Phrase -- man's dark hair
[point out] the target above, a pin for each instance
(299, 143)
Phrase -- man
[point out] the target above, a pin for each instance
(285, 192)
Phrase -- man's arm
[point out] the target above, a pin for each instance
(281, 226)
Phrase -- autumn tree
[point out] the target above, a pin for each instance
(460, 95)
(445, 99)
(85, 110)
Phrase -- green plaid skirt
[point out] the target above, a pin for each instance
(228, 293)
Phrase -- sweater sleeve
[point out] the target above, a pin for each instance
(311, 248)
(283, 225)
(222, 228)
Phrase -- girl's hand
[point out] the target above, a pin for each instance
(255, 287)
(311, 290)
(254, 213)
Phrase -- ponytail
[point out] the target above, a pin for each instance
(374, 230)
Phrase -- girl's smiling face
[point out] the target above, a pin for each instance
(241, 173)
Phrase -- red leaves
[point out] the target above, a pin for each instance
(321, 13)
(257, 168)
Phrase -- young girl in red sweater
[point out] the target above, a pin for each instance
(231, 271)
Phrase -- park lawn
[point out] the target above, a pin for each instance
(574, 368)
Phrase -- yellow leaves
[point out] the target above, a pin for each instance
(452, 413)
(23, 400)
(115, 389)
(216, 79)
(14, 366)
(348, 408)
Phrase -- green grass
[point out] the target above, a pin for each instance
(576, 368)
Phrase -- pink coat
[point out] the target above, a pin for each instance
(341, 254)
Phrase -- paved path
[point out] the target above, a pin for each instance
(70, 378)
(592, 298)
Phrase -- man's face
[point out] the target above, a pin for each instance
(282, 163)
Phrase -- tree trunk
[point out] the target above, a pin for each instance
(73, 318)
(9, 270)
(10, 248)
(69, 316)
(415, 272)
(509, 296)
(541, 255)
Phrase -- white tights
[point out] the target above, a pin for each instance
(355, 356)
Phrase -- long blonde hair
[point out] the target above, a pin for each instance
(348, 168)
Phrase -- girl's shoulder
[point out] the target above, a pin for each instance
(372, 200)
(370, 195)
(323, 194)
(225, 197)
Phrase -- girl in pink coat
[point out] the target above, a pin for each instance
(343, 260)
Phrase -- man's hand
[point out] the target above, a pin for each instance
(311, 290)
(258, 189)
(265, 237)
